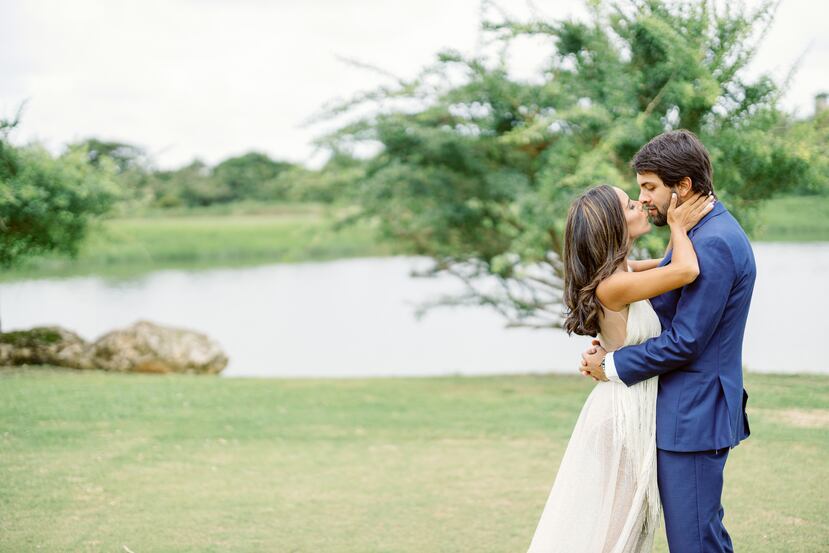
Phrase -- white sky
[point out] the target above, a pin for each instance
(211, 78)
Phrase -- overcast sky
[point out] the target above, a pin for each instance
(211, 78)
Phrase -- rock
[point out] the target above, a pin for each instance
(143, 347)
(148, 347)
(45, 345)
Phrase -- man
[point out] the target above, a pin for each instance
(700, 411)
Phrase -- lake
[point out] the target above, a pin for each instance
(355, 317)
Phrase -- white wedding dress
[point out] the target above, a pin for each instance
(605, 497)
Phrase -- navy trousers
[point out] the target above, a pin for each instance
(690, 486)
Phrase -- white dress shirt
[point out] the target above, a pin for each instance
(610, 368)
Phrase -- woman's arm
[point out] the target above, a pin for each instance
(623, 288)
(638, 265)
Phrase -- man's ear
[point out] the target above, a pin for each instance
(683, 188)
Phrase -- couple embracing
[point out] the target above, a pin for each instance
(654, 434)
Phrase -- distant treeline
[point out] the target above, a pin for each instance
(251, 176)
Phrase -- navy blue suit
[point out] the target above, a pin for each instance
(700, 410)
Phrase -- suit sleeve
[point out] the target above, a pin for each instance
(698, 313)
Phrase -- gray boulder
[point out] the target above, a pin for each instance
(45, 345)
(142, 347)
(148, 347)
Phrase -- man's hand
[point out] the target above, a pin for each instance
(591, 362)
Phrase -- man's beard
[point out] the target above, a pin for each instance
(659, 218)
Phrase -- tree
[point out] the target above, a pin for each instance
(47, 203)
(477, 169)
(811, 134)
(191, 185)
(133, 169)
(245, 174)
(124, 156)
(335, 181)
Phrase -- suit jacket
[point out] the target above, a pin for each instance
(698, 357)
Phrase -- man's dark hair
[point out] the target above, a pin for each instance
(673, 155)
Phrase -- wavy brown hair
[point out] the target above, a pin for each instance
(595, 244)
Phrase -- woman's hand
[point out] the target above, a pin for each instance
(690, 212)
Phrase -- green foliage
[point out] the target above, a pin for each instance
(811, 135)
(477, 169)
(125, 156)
(47, 203)
(244, 176)
(132, 165)
(334, 182)
(249, 177)
(191, 185)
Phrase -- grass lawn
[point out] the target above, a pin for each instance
(107, 462)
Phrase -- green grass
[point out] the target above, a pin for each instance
(203, 238)
(96, 461)
(794, 219)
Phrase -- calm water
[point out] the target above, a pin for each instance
(356, 317)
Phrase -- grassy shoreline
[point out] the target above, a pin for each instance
(209, 238)
(239, 235)
(794, 219)
(97, 461)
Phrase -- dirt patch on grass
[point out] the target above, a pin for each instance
(800, 418)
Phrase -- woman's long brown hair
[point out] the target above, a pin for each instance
(595, 244)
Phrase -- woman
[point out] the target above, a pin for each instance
(605, 497)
